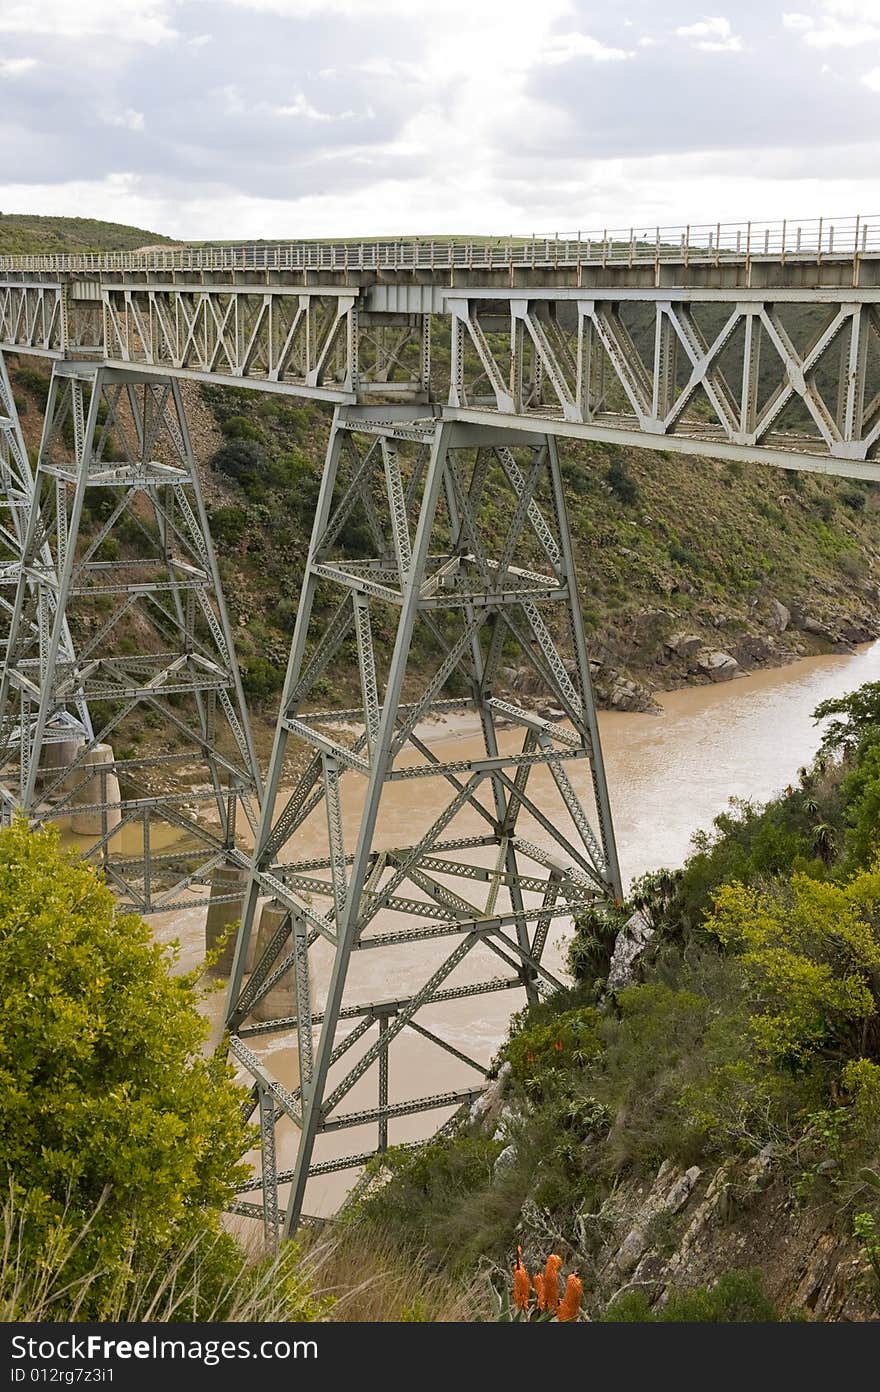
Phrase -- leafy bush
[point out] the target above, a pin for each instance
(113, 1128)
(810, 957)
(622, 483)
(854, 498)
(228, 525)
(424, 1206)
(566, 1041)
(34, 381)
(241, 428)
(860, 719)
(246, 462)
(738, 1297)
(261, 678)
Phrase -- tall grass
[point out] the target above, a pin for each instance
(37, 1285)
(370, 1279)
(342, 1273)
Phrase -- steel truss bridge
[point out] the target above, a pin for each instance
(453, 369)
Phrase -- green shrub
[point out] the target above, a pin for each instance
(810, 957)
(684, 556)
(564, 1042)
(436, 1200)
(854, 498)
(622, 483)
(246, 462)
(261, 678)
(738, 1297)
(34, 381)
(241, 428)
(228, 525)
(592, 946)
(113, 1128)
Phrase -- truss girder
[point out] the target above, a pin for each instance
(140, 591)
(299, 340)
(714, 370)
(453, 900)
(687, 368)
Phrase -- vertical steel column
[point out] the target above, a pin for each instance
(153, 582)
(472, 556)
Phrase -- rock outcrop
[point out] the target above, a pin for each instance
(718, 666)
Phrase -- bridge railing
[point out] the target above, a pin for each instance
(816, 238)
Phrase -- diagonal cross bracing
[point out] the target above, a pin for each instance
(455, 509)
(132, 817)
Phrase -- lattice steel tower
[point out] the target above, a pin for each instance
(451, 540)
(139, 589)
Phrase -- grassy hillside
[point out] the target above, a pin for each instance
(29, 234)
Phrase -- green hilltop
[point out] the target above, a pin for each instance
(31, 234)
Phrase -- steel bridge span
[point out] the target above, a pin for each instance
(452, 369)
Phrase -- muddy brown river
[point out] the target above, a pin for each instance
(669, 775)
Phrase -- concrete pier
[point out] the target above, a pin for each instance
(281, 1000)
(225, 879)
(101, 787)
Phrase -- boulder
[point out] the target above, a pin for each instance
(506, 1161)
(552, 713)
(628, 946)
(780, 617)
(684, 644)
(719, 666)
(630, 696)
(751, 649)
(486, 1109)
(669, 1194)
(857, 633)
(819, 630)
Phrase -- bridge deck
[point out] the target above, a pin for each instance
(751, 341)
(810, 241)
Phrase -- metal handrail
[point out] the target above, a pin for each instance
(809, 239)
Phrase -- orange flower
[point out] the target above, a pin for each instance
(558, 1046)
(551, 1282)
(571, 1301)
(538, 1283)
(521, 1283)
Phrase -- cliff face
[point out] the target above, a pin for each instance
(683, 1228)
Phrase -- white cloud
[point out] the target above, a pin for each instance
(200, 40)
(712, 34)
(561, 48)
(872, 79)
(840, 24)
(16, 67)
(129, 118)
(408, 9)
(586, 193)
(133, 21)
(835, 35)
(302, 107)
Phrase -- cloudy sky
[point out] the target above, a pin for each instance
(287, 118)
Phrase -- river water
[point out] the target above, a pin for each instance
(669, 775)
